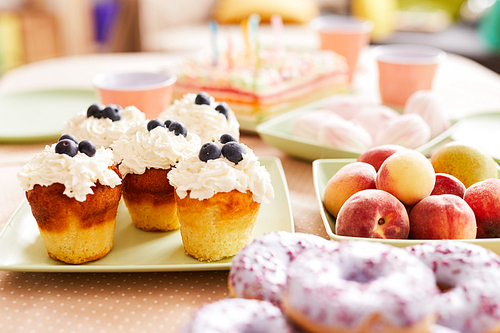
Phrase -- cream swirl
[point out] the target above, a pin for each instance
(204, 120)
(139, 148)
(203, 179)
(102, 132)
(78, 174)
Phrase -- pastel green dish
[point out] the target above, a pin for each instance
(482, 130)
(134, 250)
(277, 132)
(40, 115)
(324, 169)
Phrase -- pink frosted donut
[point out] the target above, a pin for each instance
(259, 270)
(472, 304)
(442, 329)
(237, 315)
(360, 286)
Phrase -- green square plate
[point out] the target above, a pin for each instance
(40, 115)
(134, 250)
(482, 130)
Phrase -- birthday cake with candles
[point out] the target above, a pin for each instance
(261, 83)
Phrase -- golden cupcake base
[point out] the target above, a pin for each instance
(218, 227)
(72, 231)
(150, 200)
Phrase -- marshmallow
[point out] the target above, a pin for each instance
(345, 135)
(408, 130)
(430, 107)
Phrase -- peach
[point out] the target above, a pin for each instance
(484, 199)
(408, 175)
(445, 216)
(351, 178)
(373, 214)
(377, 155)
(448, 184)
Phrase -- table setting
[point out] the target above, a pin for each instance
(147, 283)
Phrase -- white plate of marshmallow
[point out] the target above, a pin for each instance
(345, 126)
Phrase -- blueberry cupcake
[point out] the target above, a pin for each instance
(146, 153)
(103, 124)
(73, 190)
(204, 116)
(219, 190)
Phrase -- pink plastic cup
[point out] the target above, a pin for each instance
(344, 35)
(403, 69)
(149, 92)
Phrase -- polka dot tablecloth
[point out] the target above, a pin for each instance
(123, 302)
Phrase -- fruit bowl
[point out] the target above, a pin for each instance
(324, 169)
(277, 132)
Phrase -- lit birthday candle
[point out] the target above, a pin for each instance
(254, 25)
(277, 26)
(229, 52)
(244, 29)
(215, 53)
(258, 61)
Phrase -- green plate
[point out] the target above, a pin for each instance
(278, 133)
(324, 169)
(40, 115)
(134, 250)
(482, 130)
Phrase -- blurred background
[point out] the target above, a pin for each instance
(33, 30)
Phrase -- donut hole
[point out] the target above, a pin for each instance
(444, 287)
(363, 273)
(360, 277)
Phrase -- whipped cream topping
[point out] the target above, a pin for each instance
(78, 174)
(208, 123)
(102, 132)
(139, 148)
(203, 179)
